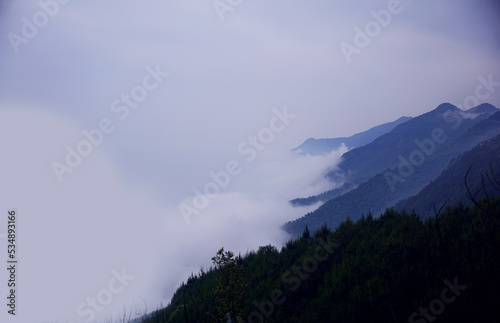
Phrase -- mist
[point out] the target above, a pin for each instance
(72, 237)
(140, 137)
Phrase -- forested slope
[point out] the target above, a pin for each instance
(397, 268)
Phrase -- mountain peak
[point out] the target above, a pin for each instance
(443, 107)
(484, 108)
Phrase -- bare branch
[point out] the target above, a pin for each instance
(483, 187)
(493, 181)
(438, 212)
(469, 194)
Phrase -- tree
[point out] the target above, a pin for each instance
(230, 288)
(306, 235)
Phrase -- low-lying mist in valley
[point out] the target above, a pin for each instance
(97, 224)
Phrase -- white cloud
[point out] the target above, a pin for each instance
(72, 235)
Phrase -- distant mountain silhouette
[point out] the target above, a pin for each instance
(360, 164)
(483, 108)
(325, 145)
(401, 163)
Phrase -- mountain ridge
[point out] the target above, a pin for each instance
(406, 177)
(360, 164)
(322, 146)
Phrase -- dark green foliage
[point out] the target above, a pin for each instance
(230, 289)
(382, 270)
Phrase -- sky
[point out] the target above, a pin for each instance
(140, 137)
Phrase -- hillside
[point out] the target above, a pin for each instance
(360, 164)
(383, 153)
(390, 186)
(390, 269)
(325, 145)
(449, 188)
(325, 196)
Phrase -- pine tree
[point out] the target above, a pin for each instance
(230, 289)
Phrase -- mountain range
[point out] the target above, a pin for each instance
(418, 210)
(398, 164)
